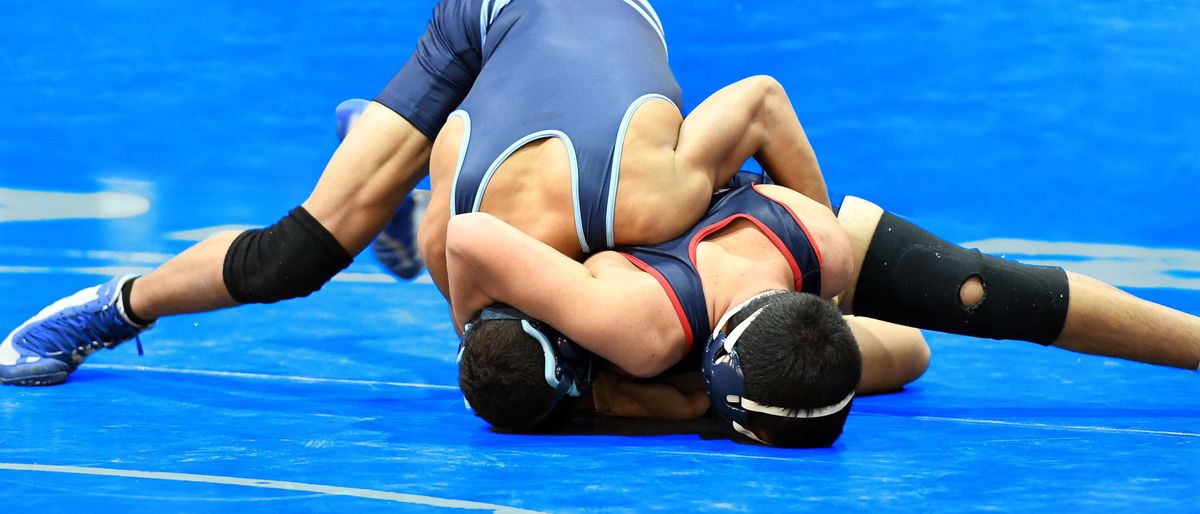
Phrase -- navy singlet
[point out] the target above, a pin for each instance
(572, 70)
(673, 263)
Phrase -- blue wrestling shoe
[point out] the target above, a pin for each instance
(396, 247)
(48, 347)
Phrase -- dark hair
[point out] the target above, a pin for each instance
(502, 375)
(799, 354)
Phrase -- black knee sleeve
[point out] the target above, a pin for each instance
(912, 277)
(290, 259)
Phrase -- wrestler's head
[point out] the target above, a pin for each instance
(782, 368)
(518, 374)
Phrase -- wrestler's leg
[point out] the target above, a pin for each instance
(360, 189)
(750, 118)
(364, 182)
(892, 355)
(1103, 320)
(1100, 319)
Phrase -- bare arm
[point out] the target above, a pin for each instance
(489, 261)
(657, 398)
(380, 161)
(893, 355)
(443, 162)
(751, 118)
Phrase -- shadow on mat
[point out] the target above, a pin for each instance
(592, 424)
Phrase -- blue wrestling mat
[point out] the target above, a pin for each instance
(1052, 132)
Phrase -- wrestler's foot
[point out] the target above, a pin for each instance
(396, 247)
(347, 113)
(48, 347)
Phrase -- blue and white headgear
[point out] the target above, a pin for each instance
(724, 379)
(568, 366)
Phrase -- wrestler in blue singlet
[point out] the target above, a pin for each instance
(523, 70)
(673, 263)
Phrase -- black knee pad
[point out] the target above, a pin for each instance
(290, 259)
(912, 277)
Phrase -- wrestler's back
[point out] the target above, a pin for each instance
(546, 65)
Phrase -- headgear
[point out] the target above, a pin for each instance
(568, 367)
(724, 379)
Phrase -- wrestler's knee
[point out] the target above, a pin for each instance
(970, 292)
(292, 258)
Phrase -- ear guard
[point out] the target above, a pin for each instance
(725, 382)
(568, 367)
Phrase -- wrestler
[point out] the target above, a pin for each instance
(564, 120)
(590, 149)
(648, 308)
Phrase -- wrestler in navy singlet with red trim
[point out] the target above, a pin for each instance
(522, 70)
(673, 263)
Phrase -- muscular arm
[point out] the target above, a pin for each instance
(363, 184)
(674, 397)
(489, 261)
(751, 118)
(893, 355)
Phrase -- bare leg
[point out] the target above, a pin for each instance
(752, 117)
(363, 184)
(1101, 320)
(893, 355)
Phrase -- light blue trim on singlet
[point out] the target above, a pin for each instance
(496, 7)
(650, 8)
(483, 23)
(615, 175)
(462, 155)
(487, 16)
(643, 8)
(543, 134)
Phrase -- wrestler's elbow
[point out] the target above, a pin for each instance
(460, 238)
(767, 91)
(765, 87)
(914, 357)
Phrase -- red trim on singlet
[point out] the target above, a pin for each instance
(683, 320)
(775, 240)
(811, 241)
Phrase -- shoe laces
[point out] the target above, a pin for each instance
(104, 329)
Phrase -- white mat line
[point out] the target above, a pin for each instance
(1044, 426)
(264, 376)
(372, 494)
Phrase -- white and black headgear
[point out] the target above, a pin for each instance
(724, 379)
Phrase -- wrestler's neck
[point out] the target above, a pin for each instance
(737, 263)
